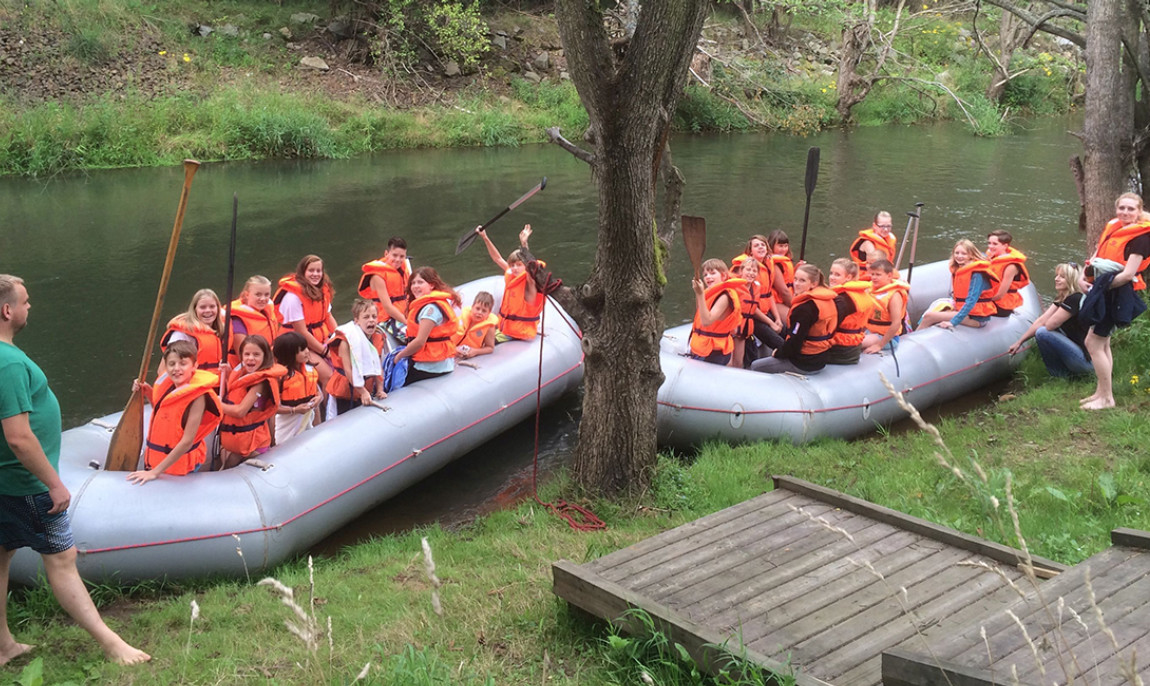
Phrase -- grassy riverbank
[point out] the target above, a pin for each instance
(96, 84)
(1076, 475)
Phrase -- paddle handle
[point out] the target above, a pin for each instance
(474, 233)
(914, 241)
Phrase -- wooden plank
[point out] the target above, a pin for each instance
(772, 499)
(1131, 538)
(902, 667)
(1112, 670)
(995, 551)
(585, 589)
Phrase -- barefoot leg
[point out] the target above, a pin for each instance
(9, 648)
(1103, 361)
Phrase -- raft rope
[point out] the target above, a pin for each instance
(577, 516)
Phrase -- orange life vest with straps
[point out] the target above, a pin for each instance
(787, 266)
(243, 435)
(440, 344)
(394, 279)
(823, 330)
(209, 349)
(1112, 246)
(1012, 299)
(257, 322)
(717, 336)
(473, 335)
(738, 261)
(961, 287)
(298, 388)
(852, 328)
(748, 304)
(881, 320)
(315, 312)
(885, 245)
(169, 413)
(518, 318)
(339, 383)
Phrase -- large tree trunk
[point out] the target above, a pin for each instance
(1109, 122)
(630, 91)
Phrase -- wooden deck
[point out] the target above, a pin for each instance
(804, 580)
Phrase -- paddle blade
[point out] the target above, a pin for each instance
(128, 438)
(695, 240)
(467, 240)
(812, 170)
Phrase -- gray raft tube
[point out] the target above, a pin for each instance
(700, 401)
(198, 525)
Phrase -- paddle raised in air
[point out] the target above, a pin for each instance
(695, 239)
(471, 235)
(809, 184)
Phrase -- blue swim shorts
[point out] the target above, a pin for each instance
(25, 523)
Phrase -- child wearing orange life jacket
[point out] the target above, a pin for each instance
(250, 400)
(303, 304)
(891, 295)
(780, 246)
(356, 350)
(756, 324)
(718, 314)
(300, 393)
(384, 282)
(813, 321)
(770, 278)
(203, 326)
(252, 313)
(185, 409)
(522, 302)
(973, 284)
(855, 307)
(431, 327)
(477, 325)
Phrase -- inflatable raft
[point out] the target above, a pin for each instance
(700, 401)
(199, 524)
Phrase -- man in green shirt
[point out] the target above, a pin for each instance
(33, 499)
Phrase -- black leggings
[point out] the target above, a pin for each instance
(414, 375)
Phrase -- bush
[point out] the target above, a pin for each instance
(701, 110)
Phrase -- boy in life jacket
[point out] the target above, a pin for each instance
(891, 295)
(384, 282)
(251, 399)
(355, 350)
(718, 314)
(1009, 266)
(876, 242)
(477, 325)
(522, 301)
(854, 306)
(185, 409)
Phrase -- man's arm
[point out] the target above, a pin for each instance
(380, 287)
(18, 434)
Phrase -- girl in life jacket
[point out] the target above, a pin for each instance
(251, 399)
(300, 393)
(203, 326)
(718, 314)
(303, 304)
(813, 322)
(477, 326)
(522, 302)
(780, 246)
(757, 325)
(431, 327)
(770, 278)
(855, 307)
(973, 284)
(252, 313)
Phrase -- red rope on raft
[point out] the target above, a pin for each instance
(578, 517)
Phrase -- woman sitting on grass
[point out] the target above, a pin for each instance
(1061, 339)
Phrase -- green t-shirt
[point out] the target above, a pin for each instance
(24, 388)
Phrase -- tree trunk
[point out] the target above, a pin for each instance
(1109, 121)
(630, 92)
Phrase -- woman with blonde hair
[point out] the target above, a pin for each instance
(1057, 332)
(972, 284)
(203, 325)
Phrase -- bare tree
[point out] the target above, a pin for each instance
(630, 88)
(859, 36)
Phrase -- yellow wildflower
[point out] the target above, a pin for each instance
(163, 52)
(1134, 380)
(187, 57)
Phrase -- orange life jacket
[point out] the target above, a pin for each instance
(394, 279)
(739, 259)
(1112, 246)
(243, 435)
(717, 336)
(257, 322)
(440, 344)
(823, 330)
(1012, 300)
(960, 285)
(473, 335)
(885, 245)
(339, 383)
(881, 319)
(787, 266)
(748, 303)
(169, 409)
(297, 388)
(518, 318)
(852, 328)
(315, 312)
(209, 349)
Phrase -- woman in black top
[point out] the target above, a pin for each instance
(1058, 333)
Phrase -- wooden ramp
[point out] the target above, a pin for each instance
(802, 579)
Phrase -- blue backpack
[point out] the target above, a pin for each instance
(394, 373)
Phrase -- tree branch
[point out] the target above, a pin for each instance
(558, 139)
(1039, 23)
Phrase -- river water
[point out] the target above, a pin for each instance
(91, 246)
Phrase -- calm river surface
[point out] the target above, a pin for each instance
(91, 247)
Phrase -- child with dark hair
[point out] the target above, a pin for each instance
(251, 399)
(300, 393)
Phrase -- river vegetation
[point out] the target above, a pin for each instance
(1076, 475)
(94, 84)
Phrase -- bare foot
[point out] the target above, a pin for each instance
(1099, 404)
(1088, 399)
(124, 654)
(9, 653)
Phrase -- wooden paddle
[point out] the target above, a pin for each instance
(809, 184)
(695, 239)
(124, 451)
(471, 235)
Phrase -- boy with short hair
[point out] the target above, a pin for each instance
(355, 350)
(522, 301)
(384, 282)
(185, 409)
(477, 327)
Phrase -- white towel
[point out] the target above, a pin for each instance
(364, 360)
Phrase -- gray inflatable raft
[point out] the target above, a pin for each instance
(311, 485)
(700, 401)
